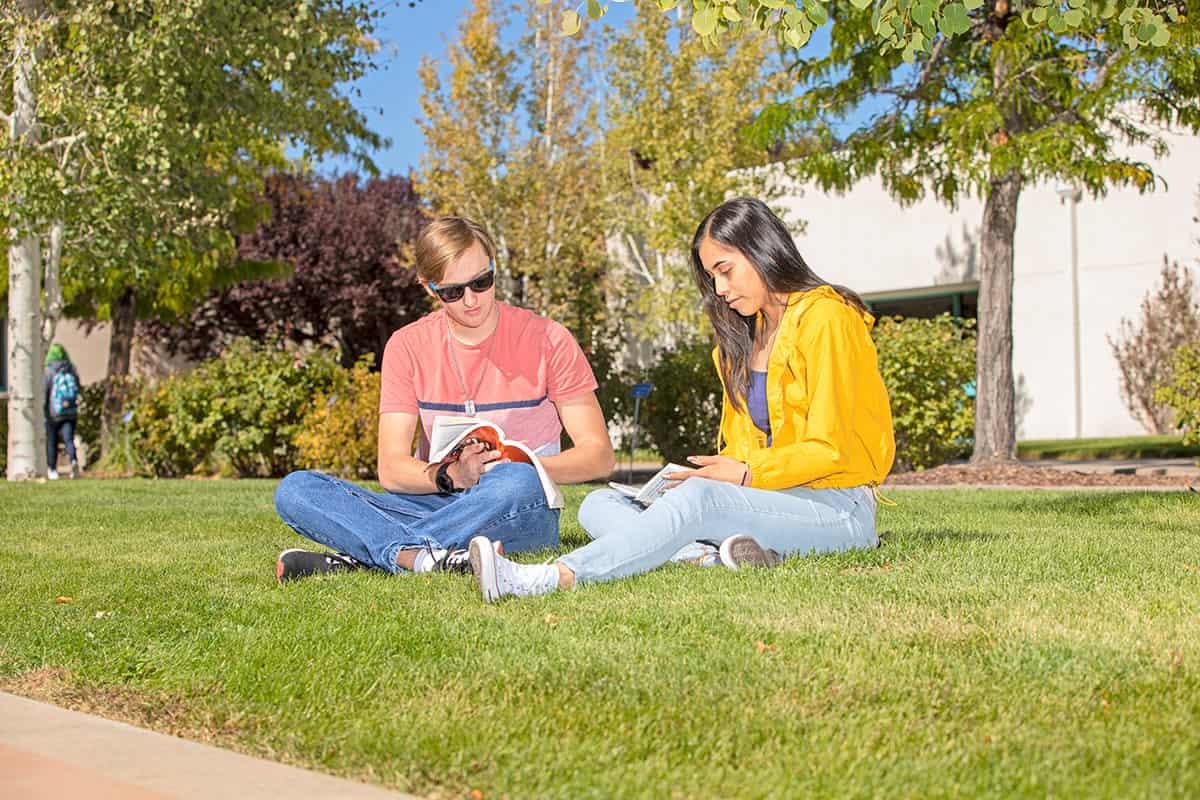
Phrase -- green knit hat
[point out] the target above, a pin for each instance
(56, 353)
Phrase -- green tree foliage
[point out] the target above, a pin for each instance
(983, 97)
(903, 25)
(1182, 392)
(144, 128)
(675, 121)
(985, 110)
(926, 365)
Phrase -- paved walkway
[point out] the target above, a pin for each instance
(1132, 466)
(50, 753)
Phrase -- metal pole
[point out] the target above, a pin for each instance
(1075, 196)
(637, 406)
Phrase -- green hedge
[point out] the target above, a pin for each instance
(1182, 394)
(340, 432)
(3, 435)
(926, 365)
(242, 410)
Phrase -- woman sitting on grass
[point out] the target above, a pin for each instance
(805, 434)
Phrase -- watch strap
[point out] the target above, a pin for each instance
(442, 479)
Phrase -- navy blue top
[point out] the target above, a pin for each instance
(757, 403)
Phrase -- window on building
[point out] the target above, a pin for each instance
(956, 299)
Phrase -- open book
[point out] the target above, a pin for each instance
(451, 434)
(652, 489)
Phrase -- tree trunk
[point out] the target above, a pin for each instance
(120, 349)
(25, 424)
(25, 420)
(53, 284)
(995, 417)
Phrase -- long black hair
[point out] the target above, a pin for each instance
(746, 224)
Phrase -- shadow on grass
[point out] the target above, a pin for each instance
(935, 536)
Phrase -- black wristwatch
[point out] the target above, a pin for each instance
(443, 481)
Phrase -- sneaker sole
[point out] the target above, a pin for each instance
(483, 564)
(743, 551)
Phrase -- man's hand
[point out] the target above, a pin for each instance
(717, 468)
(471, 463)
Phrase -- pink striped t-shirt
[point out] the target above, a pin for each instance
(534, 363)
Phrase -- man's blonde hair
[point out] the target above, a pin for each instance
(443, 240)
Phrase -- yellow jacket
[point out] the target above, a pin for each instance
(830, 420)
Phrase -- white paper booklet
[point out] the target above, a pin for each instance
(652, 489)
(451, 434)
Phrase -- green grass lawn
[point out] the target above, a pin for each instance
(998, 644)
(1125, 447)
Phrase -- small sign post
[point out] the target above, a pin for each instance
(639, 391)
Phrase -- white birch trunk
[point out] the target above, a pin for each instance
(25, 456)
(53, 285)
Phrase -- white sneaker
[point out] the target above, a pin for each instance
(498, 577)
(700, 554)
(51, 474)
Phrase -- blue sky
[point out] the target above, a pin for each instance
(390, 93)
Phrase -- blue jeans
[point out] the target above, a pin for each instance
(64, 429)
(507, 505)
(629, 541)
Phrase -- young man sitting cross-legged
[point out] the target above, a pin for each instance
(475, 356)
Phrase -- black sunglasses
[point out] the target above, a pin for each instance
(453, 292)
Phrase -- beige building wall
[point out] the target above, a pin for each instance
(88, 350)
(866, 241)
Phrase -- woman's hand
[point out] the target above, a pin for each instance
(717, 468)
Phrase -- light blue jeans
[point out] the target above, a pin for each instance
(507, 505)
(628, 540)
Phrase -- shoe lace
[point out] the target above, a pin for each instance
(453, 561)
(342, 559)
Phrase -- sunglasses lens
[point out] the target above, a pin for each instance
(452, 294)
(483, 282)
(455, 293)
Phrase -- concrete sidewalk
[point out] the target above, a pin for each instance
(47, 752)
(1131, 466)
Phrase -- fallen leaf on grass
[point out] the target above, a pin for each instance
(476, 794)
(763, 647)
(1176, 659)
(63, 600)
(103, 614)
(550, 620)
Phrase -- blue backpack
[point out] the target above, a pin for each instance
(64, 394)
